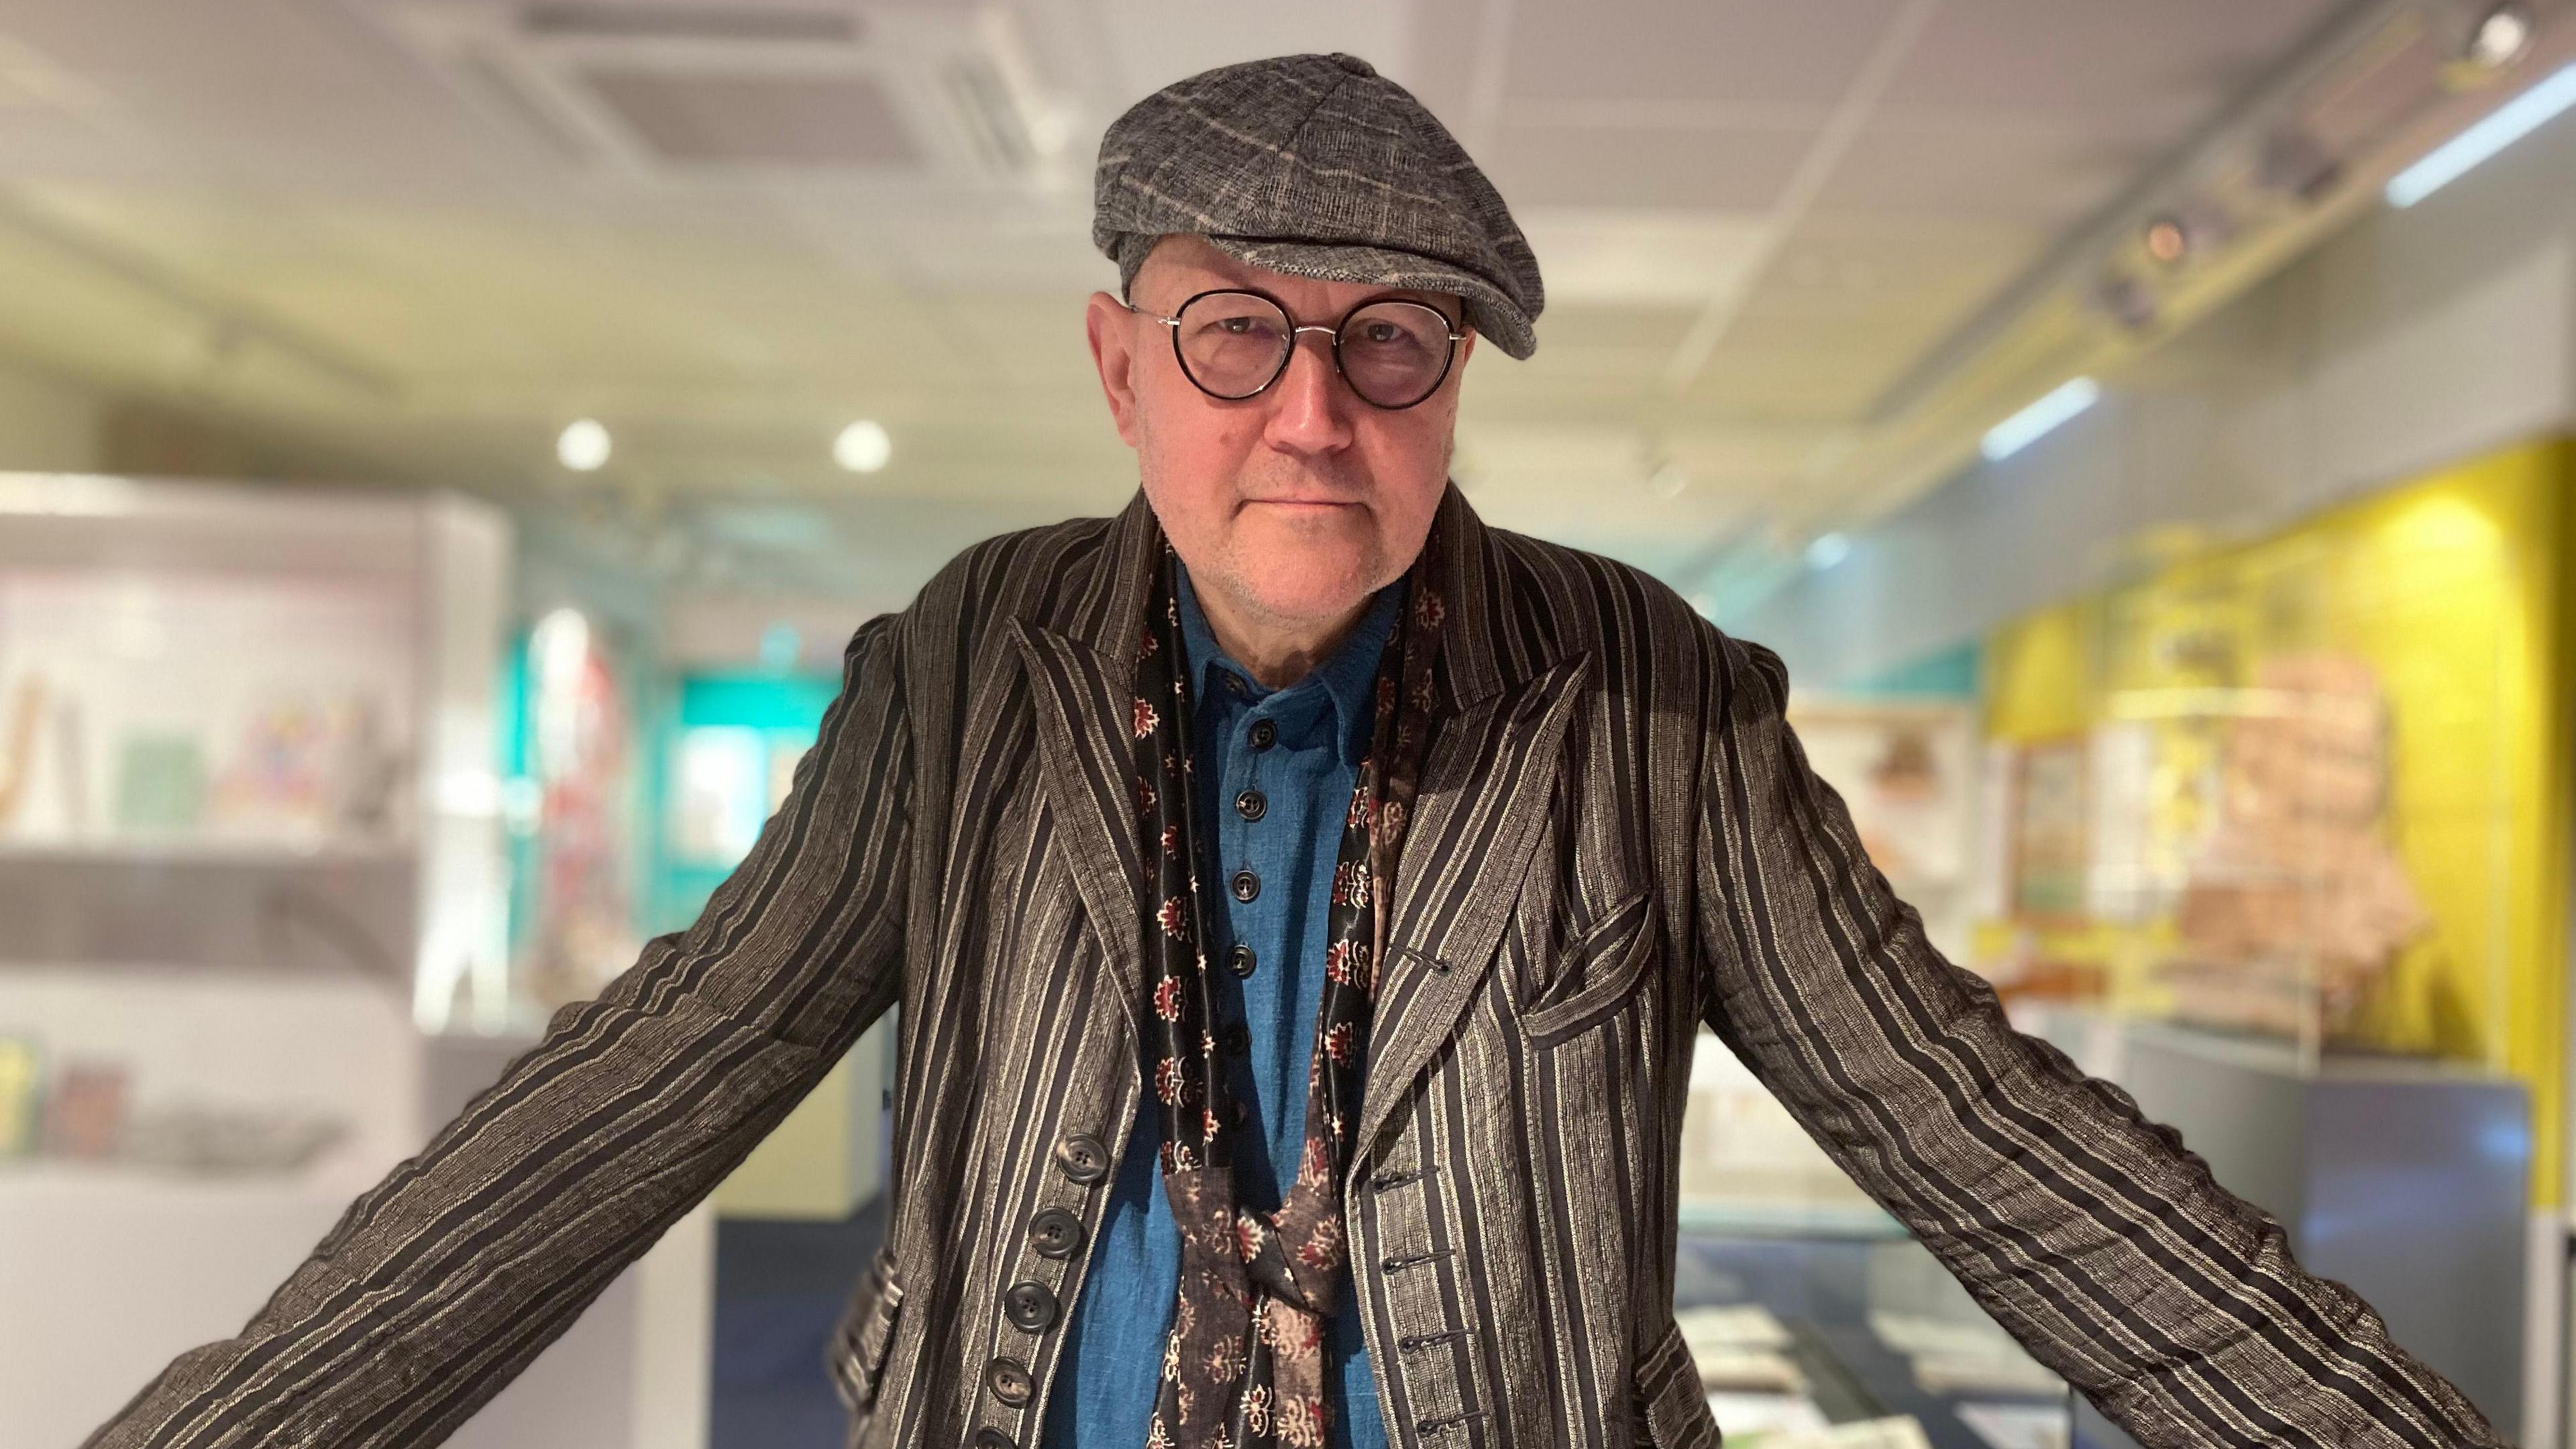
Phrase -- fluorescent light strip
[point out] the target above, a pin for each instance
(2502, 127)
(2030, 424)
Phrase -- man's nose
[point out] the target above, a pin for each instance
(1310, 408)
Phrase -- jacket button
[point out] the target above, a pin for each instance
(1235, 1040)
(1055, 1233)
(1245, 885)
(1081, 1158)
(1009, 1380)
(1029, 1306)
(1241, 961)
(1251, 805)
(994, 1439)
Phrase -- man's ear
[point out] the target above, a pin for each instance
(1112, 330)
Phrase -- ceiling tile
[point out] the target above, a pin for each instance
(1965, 168)
(2139, 69)
(1742, 170)
(1847, 266)
(1439, 61)
(1806, 52)
(1633, 257)
(1161, 41)
(1796, 369)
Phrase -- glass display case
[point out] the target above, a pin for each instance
(251, 728)
(251, 864)
(1814, 1319)
(2281, 791)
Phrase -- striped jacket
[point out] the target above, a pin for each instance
(1617, 840)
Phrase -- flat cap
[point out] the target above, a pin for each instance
(1316, 166)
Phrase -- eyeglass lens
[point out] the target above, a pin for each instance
(1234, 344)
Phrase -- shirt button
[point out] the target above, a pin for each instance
(1009, 1380)
(1245, 886)
(1251, 805)
(1029, 1306)
(1235, 1040)
(1055, 1233)
(1082, 1159)
(1264, 734)
(994, 1439)
(1241, 961)
(1234, 682)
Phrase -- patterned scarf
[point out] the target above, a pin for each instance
(1244, 1366)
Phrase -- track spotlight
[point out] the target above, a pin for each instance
(2500, 36)
(2126, 300)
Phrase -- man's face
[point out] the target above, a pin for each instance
(1294, 504)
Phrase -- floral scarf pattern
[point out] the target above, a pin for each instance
(1243, 1367)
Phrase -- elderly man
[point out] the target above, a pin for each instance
(1303, 901)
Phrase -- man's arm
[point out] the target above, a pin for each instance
(447, 1278)
(2087, 1231)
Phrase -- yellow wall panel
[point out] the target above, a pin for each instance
(2455, 589)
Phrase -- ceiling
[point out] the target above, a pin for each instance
(420, 237)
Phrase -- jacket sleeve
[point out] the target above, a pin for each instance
(442, 1282)
(2087, 1231)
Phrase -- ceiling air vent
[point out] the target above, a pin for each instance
(708, 92)
(698, 119)
(691, 22)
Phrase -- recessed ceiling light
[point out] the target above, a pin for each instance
(583, 445)
(863, 446)
(1827, 551)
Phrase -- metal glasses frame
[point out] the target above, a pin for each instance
(1288, 354)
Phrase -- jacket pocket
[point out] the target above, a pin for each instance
(1612, 958)
(1669, 1399)
(866, 1331)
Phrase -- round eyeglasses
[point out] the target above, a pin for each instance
(1234, 345)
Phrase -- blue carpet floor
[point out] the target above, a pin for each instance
(779, 1290)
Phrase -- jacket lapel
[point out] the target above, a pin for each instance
(1502, 703)
(1083, 678)
(1485, 790)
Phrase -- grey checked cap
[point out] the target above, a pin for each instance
(1316, 166)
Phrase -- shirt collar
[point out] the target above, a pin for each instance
(1348, 678)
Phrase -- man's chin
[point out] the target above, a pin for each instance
(1321, 596)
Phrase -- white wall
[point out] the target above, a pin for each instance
(2415, 339)
(48, 426)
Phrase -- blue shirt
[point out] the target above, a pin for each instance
(1317, 730)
